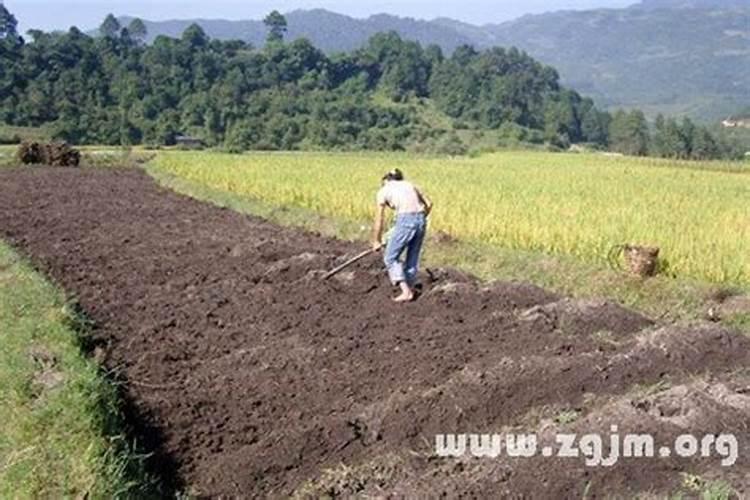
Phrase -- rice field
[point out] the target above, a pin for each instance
(574, 204)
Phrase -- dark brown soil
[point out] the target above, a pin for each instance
(251, 376)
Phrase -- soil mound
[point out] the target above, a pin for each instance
(56, 154)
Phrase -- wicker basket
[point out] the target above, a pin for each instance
(640, 260)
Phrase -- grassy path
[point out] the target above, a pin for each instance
(60, 426)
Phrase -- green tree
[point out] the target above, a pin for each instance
(110, 28)
(137, 30)
(687, 132)
(126, 39)
(434, 55)
(276, 24)
(400, 66)
(669, 139)
(113, 90)
(464, 54)
(500, 86)
(559, 123)
(704, 145)
(659, 145)
(195, 37)
(628, 133)
(595, 126)
(8, 25)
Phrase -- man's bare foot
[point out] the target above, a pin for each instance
(404, 297)
(407, 294)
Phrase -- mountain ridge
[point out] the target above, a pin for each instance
(692, 4)
(681, 57)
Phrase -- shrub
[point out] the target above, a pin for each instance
(451, 144)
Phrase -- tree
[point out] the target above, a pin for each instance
(464, 54)
(705, 146)
(292, 96)
(434, 55)
(125, 38)
(276, 24)
(195, 37)
(559, 123)
(687, 132)
(595, 126)
(110, 28)
(669, 139)
(8, 25)
(137, 30)
(659, 145)
(401, 66)
(628, 133)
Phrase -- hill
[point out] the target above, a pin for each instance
(692, 4)
(329, 31)
(683, 57)
(678, 61)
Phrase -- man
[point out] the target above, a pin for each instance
(412, 209)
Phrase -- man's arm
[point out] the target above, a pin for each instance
(377, 229)
(426, 202)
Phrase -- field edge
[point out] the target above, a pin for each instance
(62, 426)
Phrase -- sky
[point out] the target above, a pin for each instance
(86, 14)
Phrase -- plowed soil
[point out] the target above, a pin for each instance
(250, 376)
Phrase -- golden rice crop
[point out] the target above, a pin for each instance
(575, 204)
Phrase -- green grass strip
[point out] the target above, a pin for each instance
(61, 431)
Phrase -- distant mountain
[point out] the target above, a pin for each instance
(693, 4)
(329, 31)
(687, 57)
(251, 31)
(677, 61)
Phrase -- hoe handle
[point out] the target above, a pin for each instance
(348, 263)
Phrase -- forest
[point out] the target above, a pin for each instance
(112, 88)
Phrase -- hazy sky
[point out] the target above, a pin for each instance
(61, 14)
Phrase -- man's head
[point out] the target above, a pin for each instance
(393, 175)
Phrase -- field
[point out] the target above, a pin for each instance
(248, 375)
(578, 205)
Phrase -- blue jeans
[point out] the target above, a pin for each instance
(408, 234)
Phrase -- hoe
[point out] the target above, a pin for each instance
(348, 263)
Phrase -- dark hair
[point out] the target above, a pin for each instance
(394, 175)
